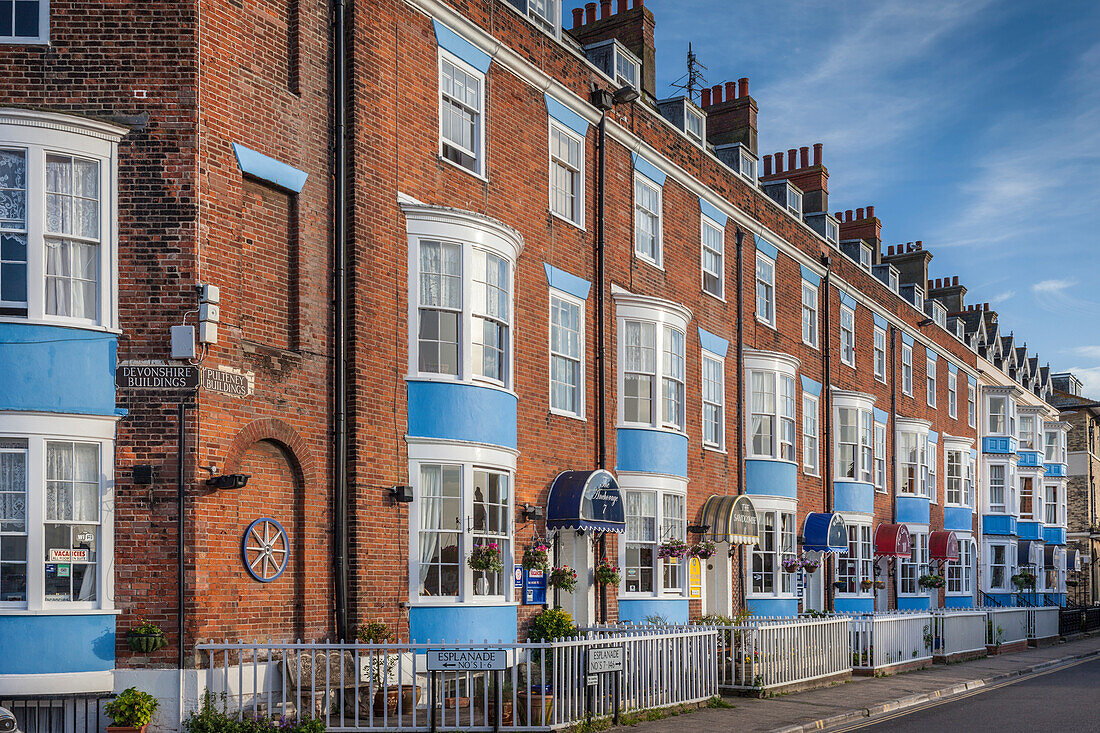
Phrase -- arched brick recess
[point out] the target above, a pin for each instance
(276, 431)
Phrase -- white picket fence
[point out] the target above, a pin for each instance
(771, 653)
(1042, 623)
(884, 640)
(356, 687)
(958, 632)
(1007, 625)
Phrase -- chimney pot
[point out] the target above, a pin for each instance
(847, 215)
(578, 17)
(716, 92)
(731, 91)
(605, 9)
(804, 157)
(817, 153)
(639, 3)
(589, 13)
(859, 213)
(890, 251)
(792, 159)
(838, 216)
(779, 162)
(706, 98)
(870, 212)
(920, 244)
(955, 280)
(622, 7)
(985, 306)
(743, 86)
(767, 165)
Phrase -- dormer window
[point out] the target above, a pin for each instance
(865, 257)
(939, 314)
(614, 60)
(918, 298)
(895, 283)
(544, 14)
(748, 165)
(693, 125)
(832, 230)
(794, 201)
(686, 117)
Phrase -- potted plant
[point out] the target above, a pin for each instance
(880, 585)
(791, 564)
(606, 573)
(1024, 580)
(563, 578)
(866, 584)
(810, 564)
(673, 548)
(704, 549)
(929, 582)
(536, 557)
(382, 664)
(146, 637)
(486, 558)
(131, 711)
(538, 695)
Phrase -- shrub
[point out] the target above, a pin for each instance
(133, 708)
(208, 719)
(374, 632)
(553, 623)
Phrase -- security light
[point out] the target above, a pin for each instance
(229, 481)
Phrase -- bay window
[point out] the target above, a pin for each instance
(855, 446)
(848, 336)
(673, 379)
(652, 377)
(858, 563)
(912, 463)
(971, 403)
(960, 574)
(956, 493)
(714, 402)
(910, 570)
(58, 257)
(998, 416)
(13, 520)
(1051, 505)
(933, 477)
(640, 371)
(1027, 432)
(776, 543)
(999, 567)
(491, 299)
(1027, 498)
(772, 415)
(653, 516)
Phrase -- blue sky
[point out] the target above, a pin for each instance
(973, 125)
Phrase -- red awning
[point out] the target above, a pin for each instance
(943, 545)
(893, 540)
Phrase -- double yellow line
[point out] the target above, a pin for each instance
(961, 696)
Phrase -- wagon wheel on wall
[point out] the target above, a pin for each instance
(265, 549)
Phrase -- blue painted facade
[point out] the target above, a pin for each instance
(852, 496)
(771, 478)
(1056, 470)
(1029, 530)
(637, 610)
(38, 375)
(1005, 599)
(1029, 459)
(999, 445)
(652, 451)
(43, 644)
(1054, 535)
(462, 623)
(854, 605)
(958, 602)
(958, 518)
(914, 603)
(456, 411)
(1000, 524)
(772, 606)
(912, 509)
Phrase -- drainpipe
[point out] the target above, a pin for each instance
(892, 441)
(181, 501)
(740, 237)
(339, 231)
(827, 421)
(601, 336)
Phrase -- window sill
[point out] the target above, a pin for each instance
(770, 597)
(480, 176)
(62, 323)
(763, 322)
(60, 612)
(807, 344)
(569, 415)
(649, 261)
(715, 449)
(719, 298)
(813, 474)
(455, 380)
(647, 426)
(628, 596)
(456, 603)
(567, 220)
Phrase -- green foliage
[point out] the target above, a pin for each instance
(146, 627)
(374, 632)
(553, 623)
(208, 719)
(133, 708)
(656, 619)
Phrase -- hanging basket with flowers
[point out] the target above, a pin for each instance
(536, 557)
(563, 578)
(792, 564)
(704, 549)
(674, 548)
(1024, 580)
(866, 584)
(810, 565)
(486, 558)
(606, 573)
(880, 585)
(931, 581)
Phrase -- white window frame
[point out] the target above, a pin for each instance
(859, 565)
(971, 404)
(765, 285)
(664, 317)
(471, 232)
(38, 430)
(811, 434)
(794, 201)
(880, 354)
(777, 371)
(43, 28)
(907, 370)
(580, 389)
(930, 366)
(478, 153)
(718, 406)
(865, 257)
(918, 562)
(783, 583)
(1055, 505)
(470, 457)
(576, 216)
(880, 457)
(916, 432)
(550, 23)
(39, 134)
(747, 165)
(848, 336)
(706, 223)
(956, 468)
(660, 487)
(859, 436)
(933, 471)
(960, 574)
(1004, 481)
(952, 394)
(832, 231)
(690, 113)
(1008, 565)
(1035, 515)
(809, 314)
(658, 257)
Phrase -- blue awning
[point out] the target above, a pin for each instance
(824, 532)
(587, 500)
(1030, 552)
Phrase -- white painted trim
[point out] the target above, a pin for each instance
(582, 384)
(480, 151)
(657, 262)
(56, 684)
(581, 202)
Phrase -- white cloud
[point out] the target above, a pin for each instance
(1090, 352)
(1001, 297)
(1052, 287)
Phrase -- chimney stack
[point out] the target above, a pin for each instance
(589, 13)
(733, 119)
(622, 6)
(912, 260)
(705, 102)
(865, 226)
(605, 9)
(812, 180)
(778, 163)
(633, 28)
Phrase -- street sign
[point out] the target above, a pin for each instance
(591, 680)
(604, 659)
(226, 382)
(156, 377)
(469, 660)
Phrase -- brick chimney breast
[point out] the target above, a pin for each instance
(632, 28)
(732, 120)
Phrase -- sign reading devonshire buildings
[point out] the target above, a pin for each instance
(156, 376)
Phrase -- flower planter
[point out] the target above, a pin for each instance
(541, 707)
(507, 716)
(126, 729)
(146, 643)
(385, 701)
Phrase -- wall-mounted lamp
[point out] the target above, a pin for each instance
(624, 94)
(143, 475)
(531, 512)
(229, 481)
(401, 494)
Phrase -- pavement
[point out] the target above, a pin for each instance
(864, 698)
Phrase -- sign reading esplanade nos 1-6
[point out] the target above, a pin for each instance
(157, 376)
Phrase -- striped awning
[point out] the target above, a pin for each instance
(731, 519)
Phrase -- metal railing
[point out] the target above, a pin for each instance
(353, 687)
(885, 640)
(1078, 620)
(771, 653)
(958, 632)
(78, 713)
(1006, 625)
